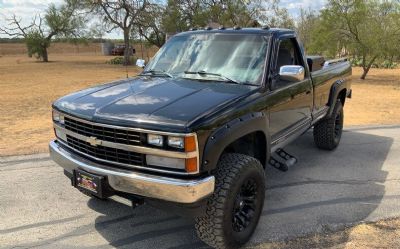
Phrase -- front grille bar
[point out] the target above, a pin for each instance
(105, 153)
(134, 148)
(122, 154)
(103, 133)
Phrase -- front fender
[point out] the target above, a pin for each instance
(231, 131)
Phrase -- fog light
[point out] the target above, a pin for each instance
(61, 135)
(168, 162)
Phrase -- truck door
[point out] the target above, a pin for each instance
(290, 101)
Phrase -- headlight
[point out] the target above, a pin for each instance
(156, 140)
(186, 144)
(58, 117)
(176, 142)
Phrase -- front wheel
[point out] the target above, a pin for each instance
(327, 132)
(235, 207)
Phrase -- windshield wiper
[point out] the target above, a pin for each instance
(156, 73)
(226, 79)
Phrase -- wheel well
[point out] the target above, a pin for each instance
(342, 96)
(253, 144)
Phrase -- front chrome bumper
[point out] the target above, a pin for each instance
(158, 187)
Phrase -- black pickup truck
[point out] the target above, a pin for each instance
(196, 130)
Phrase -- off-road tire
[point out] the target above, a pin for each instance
(218, 227)
(327, 132)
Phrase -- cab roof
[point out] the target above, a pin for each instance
(236, 30)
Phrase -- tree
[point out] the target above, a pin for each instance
(278, 17)
(368, 30)
(174, 18)
(180, 15)
(306, 25)
(236, 13)
(150, 26)
(58, 22)
(119, 14)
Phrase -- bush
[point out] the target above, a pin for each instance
(383, 64)
(388, 64)
(356, 62)
(116, 61)
(37, 45)
(120, 60)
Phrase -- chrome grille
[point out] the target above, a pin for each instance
(114, 135)
(106, 153)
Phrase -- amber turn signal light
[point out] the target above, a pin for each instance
(190, 144)
(191, 165)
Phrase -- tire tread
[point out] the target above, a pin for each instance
(324, 131)
(210, 227)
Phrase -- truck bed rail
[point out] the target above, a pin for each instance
(334, 61)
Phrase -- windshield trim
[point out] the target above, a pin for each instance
(267, 63)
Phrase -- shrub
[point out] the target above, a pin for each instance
(120, 60)
(381, 64)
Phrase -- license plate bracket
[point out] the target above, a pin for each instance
(91, 184)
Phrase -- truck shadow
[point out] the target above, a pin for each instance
(324, 192)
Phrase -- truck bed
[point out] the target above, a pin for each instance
(324, 78)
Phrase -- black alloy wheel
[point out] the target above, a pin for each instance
(245, 205)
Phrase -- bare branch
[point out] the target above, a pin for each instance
(16, 29)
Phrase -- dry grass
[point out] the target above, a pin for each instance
(382, 234)
(7, 49)
(59, 48)
(376, 100)
(29, 87)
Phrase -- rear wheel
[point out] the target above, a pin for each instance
(328, 132)
(235, 207)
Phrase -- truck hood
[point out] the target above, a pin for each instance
(148, 102)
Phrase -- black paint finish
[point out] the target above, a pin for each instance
(218, 112)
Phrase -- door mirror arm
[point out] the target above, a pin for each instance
(274, 81)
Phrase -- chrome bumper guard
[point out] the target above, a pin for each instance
(158, 187)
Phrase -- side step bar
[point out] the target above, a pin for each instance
(282, 160)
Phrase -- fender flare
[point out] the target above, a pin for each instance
(336, 88)
(230, 132)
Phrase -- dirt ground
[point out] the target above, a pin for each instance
(376, 100)
(28, 88)
(382, 234)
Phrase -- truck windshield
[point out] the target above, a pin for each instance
(234, 58)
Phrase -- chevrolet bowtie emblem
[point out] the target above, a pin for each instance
(93, 141)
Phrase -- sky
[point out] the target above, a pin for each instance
(26, 9)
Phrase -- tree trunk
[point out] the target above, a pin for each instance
(45, 56)
(366, 68)
(127, 60)
(365, 72)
